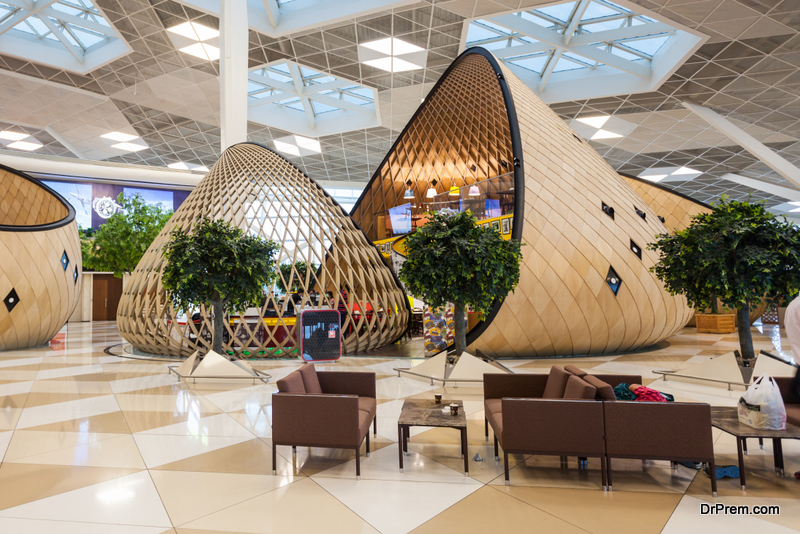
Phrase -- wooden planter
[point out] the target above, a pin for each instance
(716, 323)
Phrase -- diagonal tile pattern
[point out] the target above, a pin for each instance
(127, 449)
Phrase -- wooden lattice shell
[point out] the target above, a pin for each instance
(254, 188)
(480, 113)
(40, 261)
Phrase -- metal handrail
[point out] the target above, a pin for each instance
(444, 381)
(666, 373)
(264, 377)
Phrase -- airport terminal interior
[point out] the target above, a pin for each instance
(627, 372)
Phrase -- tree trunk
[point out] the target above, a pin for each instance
(219, 319)
(745, 337)
(714, 308)
(461, 330)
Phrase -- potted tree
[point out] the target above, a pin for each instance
(217, 265)
(120, 242)
(739, 253)
(450, 259)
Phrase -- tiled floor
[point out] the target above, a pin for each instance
(93, 443)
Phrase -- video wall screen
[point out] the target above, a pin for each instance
(94, 203)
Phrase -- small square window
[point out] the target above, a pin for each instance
(636, 249)
(11, 300)
(608, 210)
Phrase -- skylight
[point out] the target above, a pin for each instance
(310, 97)
(546, 46)
(42, 31)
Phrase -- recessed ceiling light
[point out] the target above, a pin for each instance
(200, 168)
(119, 136)
(392, 46)
(287, 148)
(130, 147)
(24, 145)
(309, 144)
(202, 50)
(179, 165)
(194, 31)
(654, 177)
(685, 170)
(12, 136)
(595, 122)
(384, 63)
(605, 134)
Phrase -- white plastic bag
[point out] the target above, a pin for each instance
(761, 406)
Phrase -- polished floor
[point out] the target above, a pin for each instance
(93, 443)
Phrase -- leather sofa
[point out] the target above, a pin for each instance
(572, 413)
(331, 409)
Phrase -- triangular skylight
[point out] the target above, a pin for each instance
(69, 34)
(305, 101)
(554, 48)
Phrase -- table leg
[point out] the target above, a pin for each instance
(464, 451)
(741, 461)
(777, 453)
(405, 439)
(400, 445)
(744, 445)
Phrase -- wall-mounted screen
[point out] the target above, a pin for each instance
(79, 195)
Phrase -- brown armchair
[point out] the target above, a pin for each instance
(331, 409)
(680, 432)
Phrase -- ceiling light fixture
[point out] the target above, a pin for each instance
(287, 148)
(604, 134)
(179, 165)
(474, 191)
(202, 51)
(685, 170)
(595, 122)
(25, 145)
(12, 136)
(392, 55)
(454, 191)
(200, 168)
(194, 31)
(130, 147)
(297, 145)
(119, 137)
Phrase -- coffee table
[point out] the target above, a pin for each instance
(423, 412)
(726, 419)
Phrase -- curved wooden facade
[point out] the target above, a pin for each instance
(585, 285)
(40, 271)
(256, 189)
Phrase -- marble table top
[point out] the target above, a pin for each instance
(425, 412)
(726, 418)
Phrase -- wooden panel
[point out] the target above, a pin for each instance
(462, 125)
(27, 203)
(256, 189)
(31, 265)
(563, 305)
(677, 210)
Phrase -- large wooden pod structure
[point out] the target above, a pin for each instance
(40, 269)
(585, 285)
(259, 191)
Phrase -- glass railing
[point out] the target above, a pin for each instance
(487, 199)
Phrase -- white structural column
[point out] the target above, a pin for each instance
(233, 38)
(748, 142)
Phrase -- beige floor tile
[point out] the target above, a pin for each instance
(113, 423)
(140, 420)
(287, 509)
(23, 483)
(41, 399)
(182, 402)
(601, 512)
(117, 451)
(253, 457)
(27, 443)
(489, 510)
(189, 495)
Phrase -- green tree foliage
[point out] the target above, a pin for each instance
(451, 259)
(87, 247)
(217, 265)
(123, 239)
(301, 269)
(739, 253)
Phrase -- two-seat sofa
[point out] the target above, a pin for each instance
(331, 409)
(571, 413)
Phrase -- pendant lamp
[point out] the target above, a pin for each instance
(409, 194)
(474, 191)
(455, 191)
(431, 190)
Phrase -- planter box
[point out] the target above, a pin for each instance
(716, 323)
